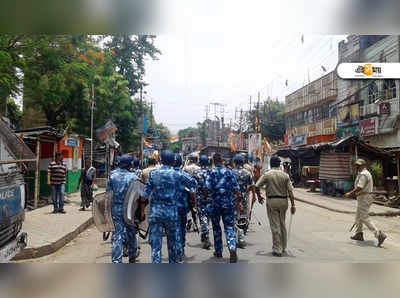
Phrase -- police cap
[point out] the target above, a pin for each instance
(204, 160)
(238, 159)
(167, 157)
(125, 160)
(178, 160)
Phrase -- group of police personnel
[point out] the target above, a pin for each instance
(216, 193)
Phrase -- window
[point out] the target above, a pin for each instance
(389, 89)
(372, 93)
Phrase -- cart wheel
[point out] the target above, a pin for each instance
(106, 235)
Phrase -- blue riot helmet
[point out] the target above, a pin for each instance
(136, 162)
(167, 158)
(204, 160)
(178, 160)
(125, 161)
(238, 159)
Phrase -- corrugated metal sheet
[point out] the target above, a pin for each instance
(335, 166)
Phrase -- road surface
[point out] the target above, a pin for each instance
(317, 235)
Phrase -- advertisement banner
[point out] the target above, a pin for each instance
(105, 131)
(384, 108)
(369, 127)
(298, 140)
(348, 115)
(255, 146)
(347, 131)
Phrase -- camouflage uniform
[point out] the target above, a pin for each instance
(201, 177)
(183, 208)
(163, 185)
(244, 179)
(137, 172)
(119, 182)
(222, 185)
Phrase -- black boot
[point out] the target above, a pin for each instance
(233, 258)
(125, 250)
(241, 243)
(381, 238)
(206, 243)
(132, 260)
(217, 255)
(358, 236)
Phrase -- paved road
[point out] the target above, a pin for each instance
(317, 235)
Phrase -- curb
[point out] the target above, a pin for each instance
(387, 213)
(38, 252)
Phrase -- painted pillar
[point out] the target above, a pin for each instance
(71, 147)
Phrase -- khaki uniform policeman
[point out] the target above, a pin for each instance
(277, 189)
(362, 189)
(192, 167)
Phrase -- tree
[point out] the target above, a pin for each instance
(129, 53)
(272, 120)
(11, 63)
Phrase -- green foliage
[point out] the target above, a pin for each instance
(272, 120)
(129, 53)
(175, 147)
(376, 171)
(59, 72)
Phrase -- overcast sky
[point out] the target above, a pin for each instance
(196, 70)
(224, 51)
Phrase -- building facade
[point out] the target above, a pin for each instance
(369, 108)
(310, 116)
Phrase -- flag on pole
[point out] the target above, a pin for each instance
(174, 140)
(233, 148)
(147, 144)
(267, 147)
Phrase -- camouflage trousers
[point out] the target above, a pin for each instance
(203, 218)
(228, 219)
(364, 202)
(181, 231)
(122, 231)
(246, 212)
(155, 240)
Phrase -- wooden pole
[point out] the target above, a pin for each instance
(398, 173)
(17, 161)
(37, 175)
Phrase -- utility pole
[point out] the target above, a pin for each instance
(258, 113)
(142, 132)
(91, 127)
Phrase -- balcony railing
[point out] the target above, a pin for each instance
(371, 109)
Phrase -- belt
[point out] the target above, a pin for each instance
(277, 197)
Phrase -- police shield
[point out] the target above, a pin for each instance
(102, 218)
(132, 206)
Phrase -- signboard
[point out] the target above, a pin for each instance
(347, 131)
(105, 131)
(255, 147)
(384, 108)
(70, 142)
(348, 115)
(369, 127)
(298, 140)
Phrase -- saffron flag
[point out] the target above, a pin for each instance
(233, 148)
(147, 144)
(174, 140)
(267, 147)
